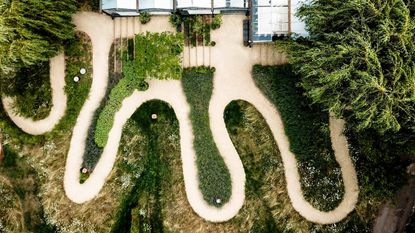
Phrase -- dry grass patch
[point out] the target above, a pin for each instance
(11, 213)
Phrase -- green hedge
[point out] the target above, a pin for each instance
(214, 177)
(306, 126)
(157, 55)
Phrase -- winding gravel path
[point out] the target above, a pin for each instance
(59, 100)
(232, 81)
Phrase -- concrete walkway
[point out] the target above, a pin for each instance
(57, 79)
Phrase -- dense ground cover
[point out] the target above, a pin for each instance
(214, 177)
(306, 126)
(32, 91)
(380, 171)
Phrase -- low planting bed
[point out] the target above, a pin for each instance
(214, 177)
(306, 126)
(157, 55)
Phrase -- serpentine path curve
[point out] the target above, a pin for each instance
(57, 84)
(232, 81)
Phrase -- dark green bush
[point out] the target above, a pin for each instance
(176, 19)
(144, 17)
(31, 91)
(197, 28)
(216, 22)
(214, 177)
(10, 157)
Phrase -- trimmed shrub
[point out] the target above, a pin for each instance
(214, 177)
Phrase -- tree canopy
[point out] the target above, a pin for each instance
(359, 60)
(32, 31)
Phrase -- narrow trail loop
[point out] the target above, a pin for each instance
(232, 81)
(59, 100)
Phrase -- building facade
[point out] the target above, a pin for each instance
(267, 18)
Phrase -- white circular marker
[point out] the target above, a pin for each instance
(218, 201)
(76, 79)
(83, 71)
(153, 116)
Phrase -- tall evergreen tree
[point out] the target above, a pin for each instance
(32, 31)
(359, 61)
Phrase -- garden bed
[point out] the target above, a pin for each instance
(213, 175)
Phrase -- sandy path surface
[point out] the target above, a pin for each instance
(233, 81)
(59, 99)
(168, 91)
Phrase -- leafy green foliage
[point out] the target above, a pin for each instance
(78, 54)
(359, 61)
(144, 17)
(306, 126)
(213, 174)
(31, 91)
(24, 180)
(32, 32)
(106, 118)
(197, 28)
(378, 165)
(157, 55)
